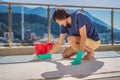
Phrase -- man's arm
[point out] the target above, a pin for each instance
(83, 37)
(58, 44)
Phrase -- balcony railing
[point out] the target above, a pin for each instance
(107, 30)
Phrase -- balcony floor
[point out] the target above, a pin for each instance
(105, 66)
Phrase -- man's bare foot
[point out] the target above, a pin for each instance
(88, 56)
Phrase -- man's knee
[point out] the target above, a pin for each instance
(65, 56)
(71, 39)
(88, 49)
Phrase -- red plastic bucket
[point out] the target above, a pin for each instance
(42, 48)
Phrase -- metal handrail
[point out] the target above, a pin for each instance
(57, 5)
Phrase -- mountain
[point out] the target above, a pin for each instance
(18, 9)
(3, 8)
(35, 20)
(32, 22)
(41, 11)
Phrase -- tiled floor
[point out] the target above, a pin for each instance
(106, 65)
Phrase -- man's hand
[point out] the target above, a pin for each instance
(78, 58)
(44, 56)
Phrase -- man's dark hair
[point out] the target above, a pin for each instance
(60, 14)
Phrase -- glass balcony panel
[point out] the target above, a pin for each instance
(102, 20)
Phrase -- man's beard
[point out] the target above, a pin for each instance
(67, 25)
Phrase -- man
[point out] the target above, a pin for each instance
(83, 35)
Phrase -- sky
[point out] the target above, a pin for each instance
(98, 3)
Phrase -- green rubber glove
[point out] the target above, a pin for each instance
(78, 58)
(44, 56)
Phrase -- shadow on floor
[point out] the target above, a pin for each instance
(79, 71)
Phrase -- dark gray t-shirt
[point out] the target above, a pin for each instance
(78, 20)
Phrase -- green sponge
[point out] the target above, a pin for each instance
(78, 58)
(44, 56)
